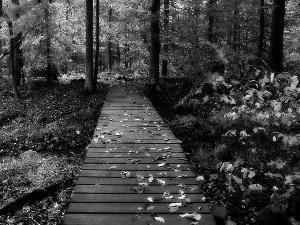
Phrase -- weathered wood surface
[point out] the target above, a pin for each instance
(131, 137)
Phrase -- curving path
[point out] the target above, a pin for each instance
(134, 170)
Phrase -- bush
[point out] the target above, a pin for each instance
(41, 71)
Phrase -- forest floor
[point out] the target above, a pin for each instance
(43, 139)
(57, 123)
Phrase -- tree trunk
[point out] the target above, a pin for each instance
(118, 54)
(89, 86)
(109, 45)
(17, 48)
(261, 33)
(1, 41)
(236, 27)
(164, 64)
(12, 58)
(276, 39)
(210, 27)
(96, 69)
(155, 47)
(18, 57)
(126, 50)
(50, 76)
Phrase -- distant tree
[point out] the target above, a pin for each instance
(236, 26)
(50, 77)
(14, 67)
(261, 33)
(164, 63)
(89, 80)
(96, 68)
(109, 44)
(277, 33)
(126, 53)
(155, 47)
(1, 41)
(210, 28)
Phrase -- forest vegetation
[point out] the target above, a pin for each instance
(223, 74)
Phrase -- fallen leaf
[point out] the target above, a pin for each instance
(167, 195)
(188, 200)
(191, 216)
(193, 188)
(200, 179)
(140, 177)
(162, 182)
(125, 174)
(150, 207)
(182, 185)
(159, 219)
(150, 199)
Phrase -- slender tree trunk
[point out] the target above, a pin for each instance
(236, 27)
(155, 47)
(17, 48)
(1, 41)
(12, 58)
(126, 50)
(164, 64)
(96, 69)
(276, 39)
(210, 27)
(118, 54)
(109, 44)
(50, 76)
(18, 57)
(261, 33)
(66, 33)
(89, 86)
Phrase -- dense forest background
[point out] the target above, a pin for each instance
(50, 37)
(224, 74)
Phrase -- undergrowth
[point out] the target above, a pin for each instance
(245, 148)
(42, 141)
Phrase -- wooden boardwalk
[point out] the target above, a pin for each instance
(134, 169)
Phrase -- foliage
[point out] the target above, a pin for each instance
(244, 143)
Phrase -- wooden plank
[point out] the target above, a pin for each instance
(135, 136)
(132, 198)
(133, 219)
(137, 167)
(135, 145)
(132, 181)
(130, 160)
(129, 128)
(131, 151)
(115, 154)
(116, 174)
(131, 134)
(132, 208)
(115, 189)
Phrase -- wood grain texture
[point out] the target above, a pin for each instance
(134, 169)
